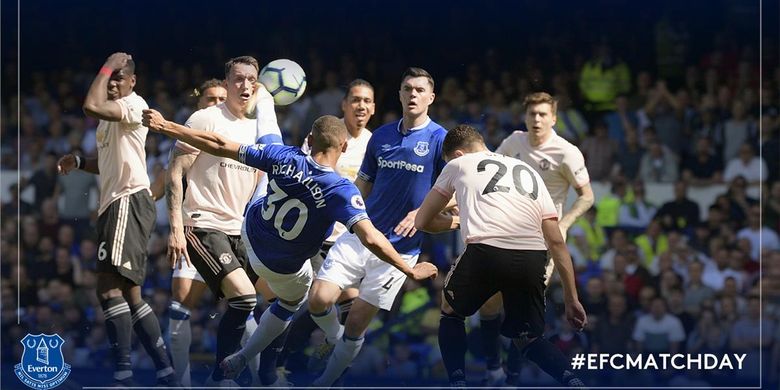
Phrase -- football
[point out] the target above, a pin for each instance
(285, 80)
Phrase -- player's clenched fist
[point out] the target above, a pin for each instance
(66, 164)
(423, 271)
(153, 120)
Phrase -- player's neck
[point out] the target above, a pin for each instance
(353, 130)
(536, 140)
(409, 122)
(328, 158)
(235, 109)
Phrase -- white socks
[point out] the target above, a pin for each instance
(329, 323)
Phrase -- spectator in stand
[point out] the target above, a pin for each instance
(772, 207)
(599, 152)
(571, 124)
(696, 292)
(608, 207)
(618, 242)
(640, 212)
(328, 101)
(760, 237)
(621, 121)
(745, 337)
(658, 165)
(44, 180)
(629, 159)
(658, 331)
(753, 168)
(703, 167)
(663, 109)
(602, 78)
(770, 147)
(719, 269)
(737, 200)
(16, 205)
(680, 213)
(737, 131)
(652, 243)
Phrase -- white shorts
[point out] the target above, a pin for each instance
(187, 271)
(351, 264)
(288, 287)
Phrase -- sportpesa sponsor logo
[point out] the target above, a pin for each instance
(400, 164)
(240, 167)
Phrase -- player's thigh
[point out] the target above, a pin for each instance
(492, 306)
(523, 286)
(212, 253)
(346, 262)
(348, 294)
(123, 231)
(323, 295)
(467, 285)
(262, 288)
(187, 286)
(290, 288)
(382, 282)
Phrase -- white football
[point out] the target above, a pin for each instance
(285, 80)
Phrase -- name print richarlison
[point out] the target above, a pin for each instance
(291, 171)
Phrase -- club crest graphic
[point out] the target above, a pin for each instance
(42, 366)
(421, 149)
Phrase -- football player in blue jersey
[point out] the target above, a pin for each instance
(286, 227)
(402, 162)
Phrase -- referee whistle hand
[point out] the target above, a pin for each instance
(423, 271)
(576, 316)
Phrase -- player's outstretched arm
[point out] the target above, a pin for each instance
(575, 313)
(583, 203)
(96, 104)
(429, 217)
(208, 142)
(377, 243)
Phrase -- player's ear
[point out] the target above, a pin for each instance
(433, 96)
(554, 118)
(344, 146)
(310, 140)
(132, 80)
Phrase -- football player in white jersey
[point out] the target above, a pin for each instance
(125, 218)
(206, 223)
(561, 165)
(508, 222)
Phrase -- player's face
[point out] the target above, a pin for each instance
(358, 106)
(120, 84)
(539, 118)
(241, 84)
(212, 96)
(416, 95)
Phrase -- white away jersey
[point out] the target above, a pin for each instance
(348, 167)
(121, 153)
(559, 163)
(502, 200)
(218, 188)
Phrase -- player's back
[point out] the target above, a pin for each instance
(289, 224)
(502, 200)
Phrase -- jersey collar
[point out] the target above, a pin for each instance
(422, 126)
(318, 165)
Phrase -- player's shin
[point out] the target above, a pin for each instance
(181, 338)
(452, 342)
(272, 323)
(118, 330)
(254, 363)
(346, 350)
(329, 323)
(552, 361)
(147, 328)
(267, 369)
(231, 327)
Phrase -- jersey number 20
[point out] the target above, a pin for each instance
(516, 177)
(277, 195)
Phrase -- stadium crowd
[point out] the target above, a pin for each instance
(654, 277)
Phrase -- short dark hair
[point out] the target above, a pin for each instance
(418, 72)
(540, 98)
(130, 67)
(327, 132)
(460, 136)
(358, 83)
(206, 85)
(248, 60)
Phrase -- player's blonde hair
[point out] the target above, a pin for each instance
(327, 132)
(540, 98)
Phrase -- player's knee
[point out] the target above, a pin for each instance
(492, 307)
(243, 302)
(285, 309)
(104, 295)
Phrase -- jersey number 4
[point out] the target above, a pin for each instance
(276, 196)
(517, 171)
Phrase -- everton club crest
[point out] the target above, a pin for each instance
(421, 149)
(42, 366)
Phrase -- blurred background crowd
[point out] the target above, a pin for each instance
(679, 129)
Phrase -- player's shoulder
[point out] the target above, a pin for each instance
(135, 100)
(387, 128)
(565, 146)
(208, 113)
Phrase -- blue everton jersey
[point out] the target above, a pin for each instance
(403, 168)
(288, 225)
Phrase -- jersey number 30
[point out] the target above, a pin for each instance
(517, 171)
(277, 195)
